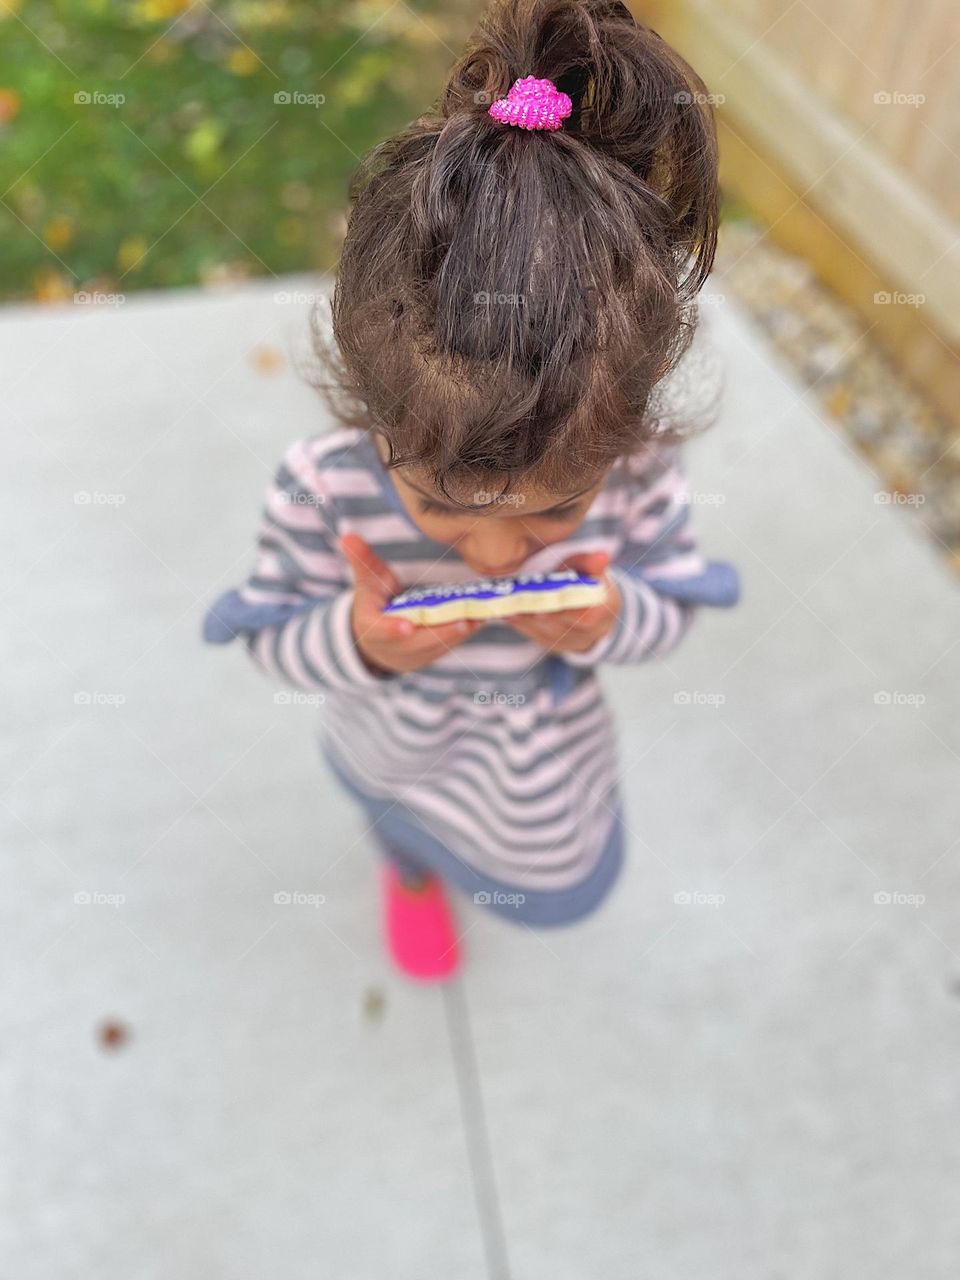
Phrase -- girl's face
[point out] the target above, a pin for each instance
(498, 541)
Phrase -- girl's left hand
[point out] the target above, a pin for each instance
(573, 630)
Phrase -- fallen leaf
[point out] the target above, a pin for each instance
(242, 61)
(52, 286)
(267, 359)
(112, 1035)
(374, 1004)
(131, 252)
(203, 142)
(9, 104)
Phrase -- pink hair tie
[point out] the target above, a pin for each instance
(532, 104)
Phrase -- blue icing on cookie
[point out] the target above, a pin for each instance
(489, 588)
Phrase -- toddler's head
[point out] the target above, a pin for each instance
(507, 299)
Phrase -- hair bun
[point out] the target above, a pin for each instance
(633, 98)
(507, 303)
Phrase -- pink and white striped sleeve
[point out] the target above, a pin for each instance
(659, 571)
(294, 610)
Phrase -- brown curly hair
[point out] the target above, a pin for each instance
(507, 300)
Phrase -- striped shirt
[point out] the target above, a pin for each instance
(505, 754)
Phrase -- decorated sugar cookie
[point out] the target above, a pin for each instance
(427, 606)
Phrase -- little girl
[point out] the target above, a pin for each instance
(520, 271)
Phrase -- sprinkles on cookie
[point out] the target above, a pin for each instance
(497, 597)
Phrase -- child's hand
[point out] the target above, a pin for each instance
(574, 630)
(392, 644)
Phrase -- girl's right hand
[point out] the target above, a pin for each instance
(392, 644)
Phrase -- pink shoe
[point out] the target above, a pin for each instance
(421, 933)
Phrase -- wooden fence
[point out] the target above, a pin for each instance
(850, 110)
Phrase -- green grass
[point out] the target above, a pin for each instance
(198, 173)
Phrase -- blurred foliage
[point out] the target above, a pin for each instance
(149, 143)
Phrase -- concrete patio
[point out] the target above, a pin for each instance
(744, 1066)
